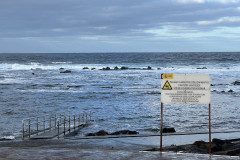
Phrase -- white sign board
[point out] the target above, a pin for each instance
(185, 88)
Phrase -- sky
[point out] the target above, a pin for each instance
(76, 26)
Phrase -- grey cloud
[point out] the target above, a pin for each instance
(34, 18)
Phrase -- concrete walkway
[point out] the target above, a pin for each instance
(105, 148)
(97, 154)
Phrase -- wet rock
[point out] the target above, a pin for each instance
(123, 68)
(219, 141)
(159, 68)
(85, 68)
(230, 91)
(202, 68)
(234, 152)
(168, 130)
(149, 68)
(99, 133)
(61, 68)
(116, 68)
(236, 83)
(67, 71)
(216, 148)
(104, 133)
(201, 144)
(220, 145)
(108, 68)
(124, 132)
(93, 68)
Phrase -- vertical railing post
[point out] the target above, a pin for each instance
(69, 123)
(83, 117)
(60, 118)
(55, 121)
(90, 116)
(43, 123)
(50, 125)
(29, 128)
(64, 125)
(58, 127)
(22, 129)
(74, 121)
(37, 126)
(79, 119)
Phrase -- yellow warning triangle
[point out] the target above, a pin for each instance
(167, 86)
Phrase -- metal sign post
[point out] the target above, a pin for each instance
(210, 139)
(161, 126)
(187, 89)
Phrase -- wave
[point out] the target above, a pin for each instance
(69, 65)
(61, 62)
(7, 138)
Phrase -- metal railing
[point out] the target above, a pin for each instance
(36, 125)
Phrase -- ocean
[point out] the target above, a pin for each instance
(31, 85)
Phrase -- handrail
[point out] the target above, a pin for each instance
(33, 124)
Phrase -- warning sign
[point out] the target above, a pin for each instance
(185, 88)
(167, 86)
(167, 76)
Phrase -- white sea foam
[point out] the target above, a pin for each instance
(61, 62)
(8, 137)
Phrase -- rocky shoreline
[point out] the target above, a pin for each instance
(219, 147)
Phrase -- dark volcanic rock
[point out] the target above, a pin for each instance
(200, 143)
(218, 141)
(124, 132)
(219, 147)
(149, 67)
(116, 68)
(234, 152)
(202, 68)
(122, 68)
(168, 130)
(236, 83)
(67, 71)
(230, 90)
(108, 68)
(99, 133)
(104, 133)
(85, 68)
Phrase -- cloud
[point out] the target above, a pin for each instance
(220, 20)
(207, 1)
(226, 1)
(116, 22)
(190, 1)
